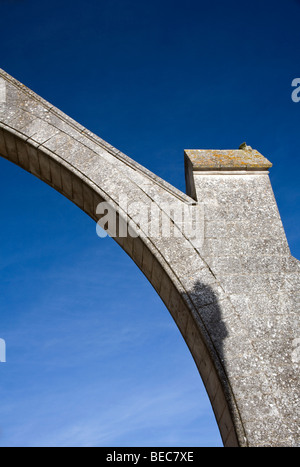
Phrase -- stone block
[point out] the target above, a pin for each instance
(88, 200)
(77, 191)
(22, 154)
(147, 263)
(11, 147)
(33, 158)
(2, 143)
(157, 274)
(56, 180)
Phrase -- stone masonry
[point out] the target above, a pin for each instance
(234, 296)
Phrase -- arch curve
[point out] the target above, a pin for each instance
(45, 142)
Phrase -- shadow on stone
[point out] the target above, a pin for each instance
(206, 340)
(208, 315)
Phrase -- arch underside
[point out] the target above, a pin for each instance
(45, 142)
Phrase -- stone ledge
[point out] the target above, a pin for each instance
(215, 159)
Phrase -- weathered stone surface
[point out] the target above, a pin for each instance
(240, 159)
(234, 295)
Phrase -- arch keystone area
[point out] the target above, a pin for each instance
(228, 279)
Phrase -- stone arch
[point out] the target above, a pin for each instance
(87, 170)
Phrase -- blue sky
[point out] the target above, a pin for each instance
(93, 357)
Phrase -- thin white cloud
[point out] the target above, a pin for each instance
(152, 411)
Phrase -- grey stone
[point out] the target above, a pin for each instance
(234, 298)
